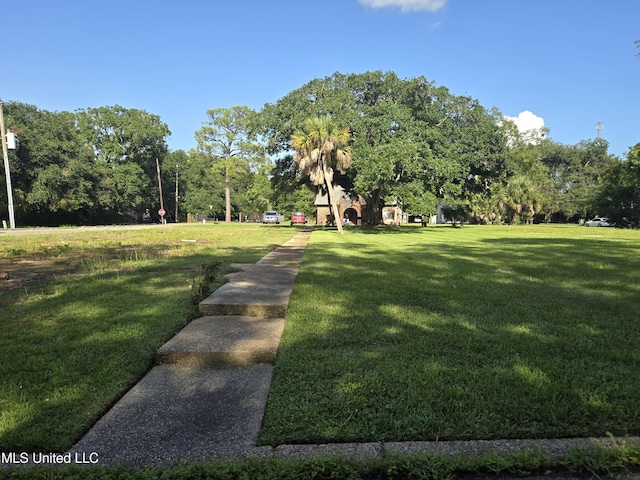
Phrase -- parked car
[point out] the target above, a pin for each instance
(626, 223)
(272, 216)
(598, 222)
(298, 218)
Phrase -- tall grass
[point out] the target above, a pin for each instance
(71, 346)
(467, 333)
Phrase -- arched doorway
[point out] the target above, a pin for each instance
(350, 216)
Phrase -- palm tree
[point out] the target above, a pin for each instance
(321, 146)
(521, 197)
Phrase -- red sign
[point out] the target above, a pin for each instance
(161, 212)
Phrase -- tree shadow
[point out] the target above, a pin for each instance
(501, 338)
(61, 372)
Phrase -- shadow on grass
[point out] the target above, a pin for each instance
(71, 349)
(480, 338)
(394, 229)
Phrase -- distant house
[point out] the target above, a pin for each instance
(353, 211)
(392, 214)
(439, 217)
(442, 214)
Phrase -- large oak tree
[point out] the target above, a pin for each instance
(413, 142)
(126, 144)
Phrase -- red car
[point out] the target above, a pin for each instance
(298, 218)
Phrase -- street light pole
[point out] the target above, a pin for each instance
(5, 155)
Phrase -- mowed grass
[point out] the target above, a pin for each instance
(72, 346)
(460, 333)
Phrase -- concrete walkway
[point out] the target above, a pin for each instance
(205, 398)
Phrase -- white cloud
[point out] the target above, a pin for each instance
(406, 5)
(530, 126)
(527, 120)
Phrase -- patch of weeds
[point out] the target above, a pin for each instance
(94, 264)
(130, 255)
(603, 461)
(56, 250)
(521, 464)
(438, 467)
(208, 281)
(14, 251)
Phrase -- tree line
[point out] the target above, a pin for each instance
(411, 143)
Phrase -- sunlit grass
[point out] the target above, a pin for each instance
(467, 333)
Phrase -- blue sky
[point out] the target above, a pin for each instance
(572, 63)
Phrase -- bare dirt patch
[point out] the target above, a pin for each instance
(23, 273)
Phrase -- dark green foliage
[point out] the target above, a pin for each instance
(412, 141)
(51, 172)
(414, 144)
(92, 166)
(228, 140)
(620, 196)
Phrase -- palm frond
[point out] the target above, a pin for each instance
(329, 174)
(316, 175)
(304, 163)
(343, 160)
(321, 140)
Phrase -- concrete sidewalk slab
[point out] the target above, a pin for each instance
(220, 340)
(352, 451)
(285, 255)
(261, 290)
(178, 412)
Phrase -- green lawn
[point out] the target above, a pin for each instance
(392, 334)
(71, 346)
(460, 333)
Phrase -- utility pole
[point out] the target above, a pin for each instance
(161, 212)
(176, 193)
(7, 173)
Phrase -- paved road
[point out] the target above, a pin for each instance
(49, 230)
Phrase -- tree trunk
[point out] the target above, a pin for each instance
(375, 211)
(332, 200)
(227, 195)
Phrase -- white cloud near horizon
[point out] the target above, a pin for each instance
(530, 126)
(406, 5)
(526, 121)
